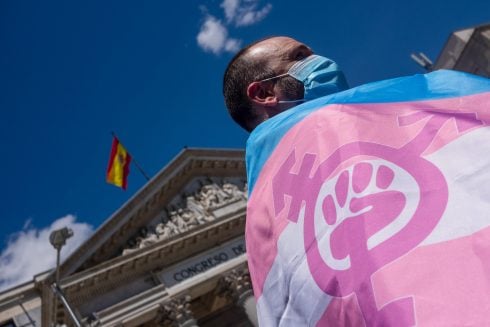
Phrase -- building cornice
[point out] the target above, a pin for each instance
(108, 275)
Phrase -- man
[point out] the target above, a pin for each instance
(259, 84)
(367, 207)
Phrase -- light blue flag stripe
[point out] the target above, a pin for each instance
(436, 85)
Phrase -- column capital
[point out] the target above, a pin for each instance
(236, 285)
(178, 311)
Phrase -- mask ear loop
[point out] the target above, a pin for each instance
(292, 101)
(273, 77)
(279, 76)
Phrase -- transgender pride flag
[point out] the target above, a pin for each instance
(371, 207)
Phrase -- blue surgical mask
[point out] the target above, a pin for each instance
(320, 76)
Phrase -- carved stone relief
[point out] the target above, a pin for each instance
(197, 208)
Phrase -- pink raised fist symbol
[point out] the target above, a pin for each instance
(357, 216)
(361, 206)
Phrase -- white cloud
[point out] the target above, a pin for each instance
(244, 12)
(230, 8)
(213, 37)
(232, 45)
(29, 252)
(248, 14)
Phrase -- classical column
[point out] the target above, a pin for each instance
(178, 311)
(236, 286)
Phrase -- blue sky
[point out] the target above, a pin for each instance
(71, 72)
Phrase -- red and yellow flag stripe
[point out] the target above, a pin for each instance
(118, 168)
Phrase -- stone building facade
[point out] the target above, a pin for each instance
(173, 255)
(467, 50)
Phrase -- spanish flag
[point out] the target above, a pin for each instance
(118, 168)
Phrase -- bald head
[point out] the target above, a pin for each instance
(250, 101)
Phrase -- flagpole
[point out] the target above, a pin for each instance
(134, 160)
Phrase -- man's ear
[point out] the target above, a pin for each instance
(262, 94)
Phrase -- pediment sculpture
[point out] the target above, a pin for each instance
(197, 210)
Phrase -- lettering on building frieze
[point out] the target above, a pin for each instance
(200, 266)
(203, 262)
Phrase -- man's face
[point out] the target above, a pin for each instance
(280, 53)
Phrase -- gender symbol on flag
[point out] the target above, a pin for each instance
(348, 236)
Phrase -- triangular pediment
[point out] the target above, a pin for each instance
(196, 188)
